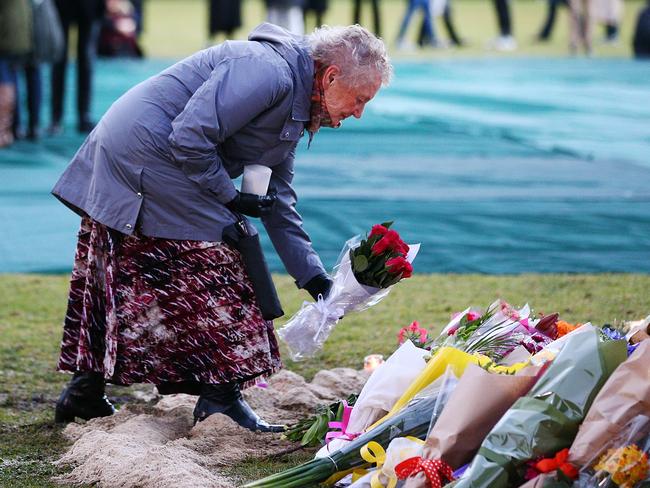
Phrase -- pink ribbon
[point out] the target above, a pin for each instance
(343, 425)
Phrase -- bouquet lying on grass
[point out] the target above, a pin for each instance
(363, 275)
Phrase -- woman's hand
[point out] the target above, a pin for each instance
(252, 205)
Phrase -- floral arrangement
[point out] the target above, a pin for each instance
(416, 334)
(380, 259)
(560, 381)
(625, 465)
(366, 270)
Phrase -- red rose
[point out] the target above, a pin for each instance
(378, 230)
(399, 265)
(390, 241)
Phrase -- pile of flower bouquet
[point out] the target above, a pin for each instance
(499, 398)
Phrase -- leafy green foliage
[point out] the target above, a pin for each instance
(311, 431)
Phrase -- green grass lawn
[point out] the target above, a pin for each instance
(175, 28)
(32, 309)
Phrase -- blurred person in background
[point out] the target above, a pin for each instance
(138, 5)
(505, 41)
(551, 14)
(159, 292)
(427, 25)
(15, 45)
(223, 16)
(440, 8)
(287, 14)
(641, 39)
(580, 26)
(318, 7)
(47, 47)
(7, 102)
(609, 14)
(87, 15)
(118, 36)
(376, 15)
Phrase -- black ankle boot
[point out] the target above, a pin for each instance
(227, 400)
(84, 398)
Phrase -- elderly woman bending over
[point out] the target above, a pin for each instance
(158, 295)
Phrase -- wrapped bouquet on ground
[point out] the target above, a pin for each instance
(386, 384)
(464, 423)
(546, 420)
(363, 275)
(612, 444)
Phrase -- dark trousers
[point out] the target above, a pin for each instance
(87, 15)
(503, 16)
(375, 15)
(451, 31)
(34, 94)
(551, 13)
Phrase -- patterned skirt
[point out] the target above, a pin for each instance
(169, 312)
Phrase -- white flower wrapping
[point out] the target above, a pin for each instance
(306, 332)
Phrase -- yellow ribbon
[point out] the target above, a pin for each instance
(374, 453)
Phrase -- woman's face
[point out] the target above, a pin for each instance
(343, 100)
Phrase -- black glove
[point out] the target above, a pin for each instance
(319, 285)
(252, 205)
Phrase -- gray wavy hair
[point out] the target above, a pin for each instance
(354, 49)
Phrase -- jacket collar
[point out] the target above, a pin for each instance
(294, 50)
(303, 82)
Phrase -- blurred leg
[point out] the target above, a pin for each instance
(503, 17)
(575, 10)
(587, 26)
(377, 17)
(446, 17)
(357, 12)
(428, 24)
(59, 69)
(405, 21)
(86, 51)
(34, 94)
(547, 29)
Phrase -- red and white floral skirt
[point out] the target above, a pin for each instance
(169, 312)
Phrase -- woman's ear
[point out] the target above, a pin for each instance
(331, 73)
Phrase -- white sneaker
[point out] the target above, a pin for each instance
(404, 45)
(502, 43)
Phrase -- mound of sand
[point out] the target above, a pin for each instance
(164, 449)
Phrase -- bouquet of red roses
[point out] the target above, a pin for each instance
(366, 270)
(380, 260)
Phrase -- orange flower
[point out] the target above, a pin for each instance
(563, 328)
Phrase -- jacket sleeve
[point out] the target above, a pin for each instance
(237, 91)
(284, 227)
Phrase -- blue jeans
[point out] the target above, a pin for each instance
(428, 27)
